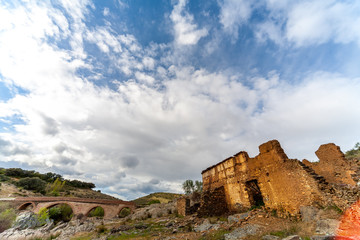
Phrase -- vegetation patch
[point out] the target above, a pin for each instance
(354, 152)
(124, 212)
(7, 216)
(96, 212)
(160, 196)
(217, 235)
(286, 232)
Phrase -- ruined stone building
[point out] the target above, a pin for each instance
(277, 182)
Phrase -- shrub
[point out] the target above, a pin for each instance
(124, 212)
(33, 183)
(354, 152)
(153, 201)
(43, 216)
(56, 187)
(80, 184)
(97, 212)
(101, 229)
(55, 213)
(4, 178)
(7, 217)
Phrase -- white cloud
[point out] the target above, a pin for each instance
(308, 23)
(185, 30)
(106, 11)
(321, 21)
(269, 30)
(149, 134)
(233, 14)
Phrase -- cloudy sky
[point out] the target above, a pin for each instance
(138, 96)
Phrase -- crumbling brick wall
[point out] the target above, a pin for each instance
(283, 183)
(332, 165)
(213, 203)
(183, 206)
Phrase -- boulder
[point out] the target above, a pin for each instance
(242, 232)
(205, 226)
(26, 220)
(327, 226)
(309, 213)
(238, 217)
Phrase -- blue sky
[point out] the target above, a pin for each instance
(138, 96)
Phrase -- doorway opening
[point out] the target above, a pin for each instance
(255, 196)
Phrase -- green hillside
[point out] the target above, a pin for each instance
(16, 182)
(159, 197)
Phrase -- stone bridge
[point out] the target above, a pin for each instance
(82, 206)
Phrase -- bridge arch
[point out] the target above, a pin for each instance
(26, 205)
(65, 211)
(96, 208)
(53, 204)
(124, 211)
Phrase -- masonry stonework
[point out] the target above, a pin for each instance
(275, 181)
(183, 206)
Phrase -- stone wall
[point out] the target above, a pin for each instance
(332, 165)
(213, 203)
(284, 184)
(183, 206)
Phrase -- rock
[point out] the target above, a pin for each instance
(242, 232)
(270, 237)
(206, 225)
(154, 211)
(141, 226)
(323, 237)
(26, 220)
(237, 217)
(327, 226)
(58, 227)
(121, 228)
(293, 237)
(308, 213)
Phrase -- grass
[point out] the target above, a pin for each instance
(286, 232)
(334, 207)
(152, 227)
(217, 235)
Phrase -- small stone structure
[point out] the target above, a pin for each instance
(183, 206)
(277, 182)
(78, 205)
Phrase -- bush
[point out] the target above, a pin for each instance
(56, 187)
(153, 201)
(33, 183)
(43, 216)
(124, 212)
(354, 152)
(101, 229)
(96, 212)
(4, 178)
(61, 212)
(80, 184)
(7, 216)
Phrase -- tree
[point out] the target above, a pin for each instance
(188, 187)
(353, 153)
(56, 187)
(33, 183)
(198, 186)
